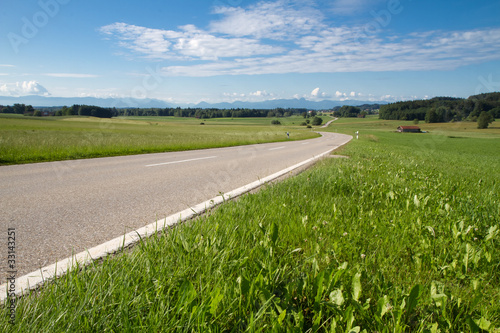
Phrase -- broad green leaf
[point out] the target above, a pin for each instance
(382, 306)
(472, 325)
(187, 293)
(438, 295)
(484, 324)
(343, 266)
(319, 287)
(336, 297)
(244, 285)
(281, 316)
(492, 233)
(349, 317)
(356, 286)
(413, 298)
(216, 298)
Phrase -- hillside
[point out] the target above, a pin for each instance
(443, 109)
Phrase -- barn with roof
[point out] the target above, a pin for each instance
(409, 129)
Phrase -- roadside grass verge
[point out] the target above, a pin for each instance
(29, 140)
(400, 237)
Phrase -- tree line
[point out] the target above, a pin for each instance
(346, 111)
(444, 109)
(17, 109)
(96, 111)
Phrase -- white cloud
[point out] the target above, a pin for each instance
(260, 93)
(255, 96)
(275, 20)
(289, 37)
(340, 50)
(6, 65)
(189, 43)
(151, 42)
(317, 93)
(23, 89)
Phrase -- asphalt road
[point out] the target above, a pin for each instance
(61, 208)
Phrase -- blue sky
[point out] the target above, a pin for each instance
(187, 51)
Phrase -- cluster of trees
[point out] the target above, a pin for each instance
(443, 109)
(355, 111)
(348, 111)
(17, 109)
(209, 113)
(87, 110)
(96, 111)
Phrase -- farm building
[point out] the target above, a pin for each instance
(409, 129)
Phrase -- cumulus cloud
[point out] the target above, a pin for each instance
(23, 89)
(189, 43)
(317, 93)
(254, 96)
(342, 50)
(260, 93)
(276, 20)
(286, 36)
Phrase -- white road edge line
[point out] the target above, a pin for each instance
(37, 278)
(277, 148)
(174, 162)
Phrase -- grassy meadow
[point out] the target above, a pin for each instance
(32, 139)
(402, 236)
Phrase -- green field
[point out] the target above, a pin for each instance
(403, 236)
(28, 139)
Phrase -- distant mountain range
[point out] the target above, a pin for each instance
(40, 101)
(36, 100)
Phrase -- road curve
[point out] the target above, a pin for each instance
(61, 208)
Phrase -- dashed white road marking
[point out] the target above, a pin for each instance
(175, 162)
(277, 148)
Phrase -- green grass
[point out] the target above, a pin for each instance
(401, 237)
(28, 139)
(374, 125)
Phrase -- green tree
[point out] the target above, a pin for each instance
(348, 111)
(484, 120)
(317, 121)
(29, 109)
(431, 116)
